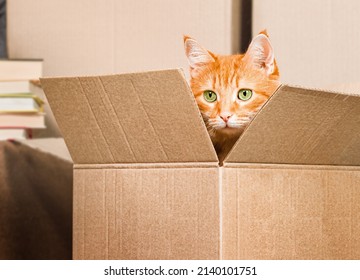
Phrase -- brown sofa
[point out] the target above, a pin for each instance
(35, 204)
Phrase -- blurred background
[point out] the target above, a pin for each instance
(316, 44)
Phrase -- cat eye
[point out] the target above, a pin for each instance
(245, 94)
(210, 96)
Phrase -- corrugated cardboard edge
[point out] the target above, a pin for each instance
(147, 165)
(290, 166)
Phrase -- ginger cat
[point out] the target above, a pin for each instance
(230, 89)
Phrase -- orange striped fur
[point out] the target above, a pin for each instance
(225, 75)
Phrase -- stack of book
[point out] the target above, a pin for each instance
(20, 110)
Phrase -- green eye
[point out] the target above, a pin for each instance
(210, 96)
(244, 94)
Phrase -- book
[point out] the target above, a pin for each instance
(14, 133)
(14, 86)
(22, 120)
(19, 69)
(20, 103)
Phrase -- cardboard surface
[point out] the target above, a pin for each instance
(131, 118)
(296, 212)
(117, 36)
(303, 126)
(157, 213)
(147, 183)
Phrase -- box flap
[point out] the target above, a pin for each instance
(303, 126)
(145, 117)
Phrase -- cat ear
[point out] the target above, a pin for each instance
(261, 54)
(196, 54)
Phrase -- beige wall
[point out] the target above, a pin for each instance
(88, 37)
(317, 43)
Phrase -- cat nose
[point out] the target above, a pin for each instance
(225, 116)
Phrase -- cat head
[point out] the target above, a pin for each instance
(230, 89)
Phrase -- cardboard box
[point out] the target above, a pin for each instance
(148, 185)
(93, 37)
(313, 48)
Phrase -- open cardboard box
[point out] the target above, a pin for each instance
(148, 185)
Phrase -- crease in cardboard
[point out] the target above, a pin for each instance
(150, 122)
(114, 120)
(146, 165)
(237, 216)
(96, 144)
(106, 213)
(118, 122)
(96, 120)
(221, 220)
(290, 166)
(110, 127)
